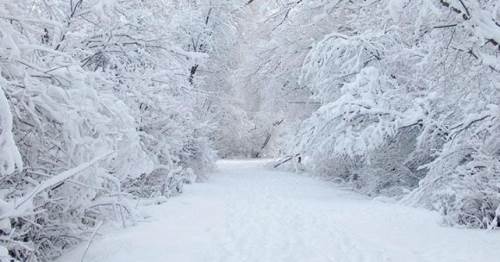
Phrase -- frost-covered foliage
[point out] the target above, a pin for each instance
(409, 98)
(99, 104)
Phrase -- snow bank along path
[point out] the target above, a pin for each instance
(246, 212)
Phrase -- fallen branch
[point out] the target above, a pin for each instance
(53, 181)
(286, 159)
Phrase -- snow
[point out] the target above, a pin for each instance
(246, 212)
(10, 158)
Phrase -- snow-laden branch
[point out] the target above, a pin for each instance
(25, 203)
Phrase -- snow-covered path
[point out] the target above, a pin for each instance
(248, 213)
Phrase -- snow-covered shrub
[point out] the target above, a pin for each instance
(463, 182)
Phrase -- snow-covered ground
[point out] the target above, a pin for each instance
(246, 212)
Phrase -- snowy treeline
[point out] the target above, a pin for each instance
(408, 94)
(101, 102)
(107, 102)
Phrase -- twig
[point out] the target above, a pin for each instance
(90, 240)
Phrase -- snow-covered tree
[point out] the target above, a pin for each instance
(98, 102)
(408, 89)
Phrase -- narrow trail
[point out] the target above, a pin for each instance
(246, 212)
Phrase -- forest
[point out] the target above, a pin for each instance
(109, 105)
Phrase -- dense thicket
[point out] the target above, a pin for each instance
(101, 103)
(408, 95)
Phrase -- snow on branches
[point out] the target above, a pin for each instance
(80, 79)
(409, 99)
